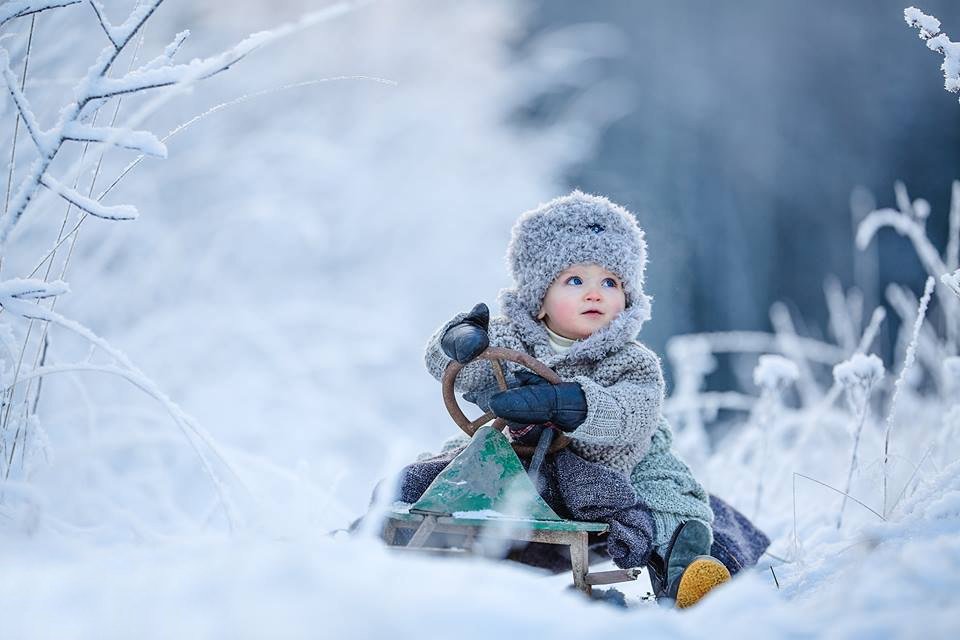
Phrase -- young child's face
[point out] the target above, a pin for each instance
(583, 299)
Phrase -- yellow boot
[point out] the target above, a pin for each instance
(689, 571)
(700, 576)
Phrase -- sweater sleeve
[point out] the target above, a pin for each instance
(627, 411)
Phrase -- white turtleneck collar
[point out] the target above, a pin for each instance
(558, 343)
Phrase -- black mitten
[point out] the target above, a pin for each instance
(537, 401)
(468, 338)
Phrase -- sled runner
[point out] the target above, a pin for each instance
(485, 492)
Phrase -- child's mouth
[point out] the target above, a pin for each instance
(592, 313)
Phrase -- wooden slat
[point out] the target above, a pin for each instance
(423, 531)
(580, 563)
(612, 577)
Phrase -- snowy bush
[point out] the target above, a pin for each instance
(73, 174)
(890, 429)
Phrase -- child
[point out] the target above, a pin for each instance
(578, 265)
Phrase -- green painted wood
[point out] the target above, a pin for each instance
(486, 477)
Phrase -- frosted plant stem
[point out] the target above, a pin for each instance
(16, 124)
(41, 345)
(913, 475)
(789, 343)
(187, 426)
(870, 333)
(6, 416)
(953, 239)
(835, 490)
(766, 418)
(898, 385)
(8, 399)
(40, 359)
(129, 371)
(853, 456)
(796, 540)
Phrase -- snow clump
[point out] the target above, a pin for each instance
(775, 372)
(928, 25)
(936, 41)
(859, 371)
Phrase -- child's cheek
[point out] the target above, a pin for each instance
(566, 310)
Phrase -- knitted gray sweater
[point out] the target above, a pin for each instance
(623, 383)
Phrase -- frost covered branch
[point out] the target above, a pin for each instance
(158, 73)
(858, 376)
(121, 35)
(908, 221)
(937, 41)
(41, 139)
(89, 205)
(15, 293)
(13, 10)
(168, 53)
(141, 141)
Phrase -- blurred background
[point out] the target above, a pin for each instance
(357, 188)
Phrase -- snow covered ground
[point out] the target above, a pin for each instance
(291, 257)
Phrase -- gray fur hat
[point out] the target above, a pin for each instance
(573, 229)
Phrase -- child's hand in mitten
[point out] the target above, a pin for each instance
(537, 401)
(468, 338)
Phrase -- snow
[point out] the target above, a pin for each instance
(859, 370)
(928, 25)
(120, 35)
(91, 206)
(31, 289)
(775, 371)
(938, 42)
(142, 141)
(234, 373)
(481, 514)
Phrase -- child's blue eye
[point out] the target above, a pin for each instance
(610, 282)
(574, 280)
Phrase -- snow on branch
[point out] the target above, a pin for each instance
(13, 10)
(16, 294)
(119, 36)
(141, 141)
(909, 222)
(41, 139)
(937, 41)
(95, 85)
(169, 52)
(91, 206)
(150, 76)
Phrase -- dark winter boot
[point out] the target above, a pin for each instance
(689, 571)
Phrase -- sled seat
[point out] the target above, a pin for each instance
(486, 493)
